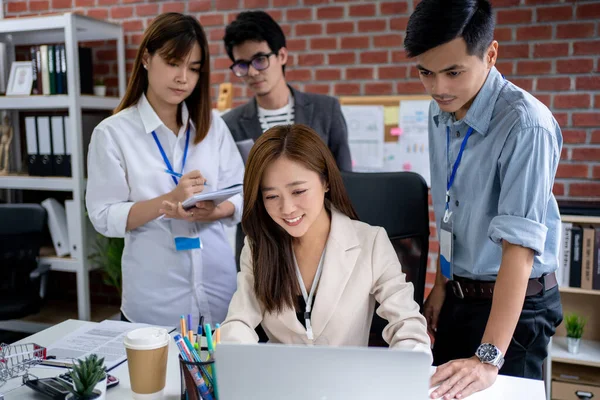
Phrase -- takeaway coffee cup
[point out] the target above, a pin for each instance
(147, 352)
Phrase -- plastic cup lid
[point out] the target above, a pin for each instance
(146, 338)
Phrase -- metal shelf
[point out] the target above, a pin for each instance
(25, 182)
(56, 101)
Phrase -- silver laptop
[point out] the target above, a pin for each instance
(286, 372)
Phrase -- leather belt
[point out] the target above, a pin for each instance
(467, 288)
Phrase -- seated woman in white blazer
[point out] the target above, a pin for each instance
(310, 271)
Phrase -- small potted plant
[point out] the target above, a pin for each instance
(99, 87)
(89, 379)
(574, 324)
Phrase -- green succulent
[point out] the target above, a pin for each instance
(86, 374)
(575, 324)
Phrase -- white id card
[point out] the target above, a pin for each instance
(446, 248)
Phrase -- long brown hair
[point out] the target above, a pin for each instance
(173, 35)
(275, 282)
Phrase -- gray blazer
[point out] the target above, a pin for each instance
(321, 113)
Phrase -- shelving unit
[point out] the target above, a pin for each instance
(584, 302)
(70, 29)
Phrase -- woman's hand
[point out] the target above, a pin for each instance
(204, 211)
(189, 185)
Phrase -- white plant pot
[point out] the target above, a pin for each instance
(573, 345)
(100, 90)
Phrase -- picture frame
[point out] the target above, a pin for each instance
(20, 81)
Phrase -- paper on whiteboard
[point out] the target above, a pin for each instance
(411, 152)
(365, 136)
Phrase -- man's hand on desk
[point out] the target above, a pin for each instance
(461, 378)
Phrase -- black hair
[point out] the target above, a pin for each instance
(255, 26)
(436, 22)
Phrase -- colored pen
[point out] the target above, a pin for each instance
(196, 375)
(217, 334)
(211, 350)
(178, 175)
(197, 358)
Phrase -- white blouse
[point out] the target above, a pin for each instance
(125, 166)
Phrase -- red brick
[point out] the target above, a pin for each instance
(328, 75)
(588, 11)
(551, 50)
(372, 25)
(586, 47)
(216, 33)
(575, 30)
(298, 75)
(205, 5)
(398, 24)
(324, 43)
(374, 57)
(340, 27)
(62, 3)
(506, 3)
(591, 189)
(529, 2)
(143, 10)
(285, 3)
(572, 171)
(362, 73)
(597, 101)
(355, 42)
(399, 56)
(546, 99)
(298, 14)
(309, 29)
(286, 28)
(330, 12)
(135, 25)
(514, 16)
(378, 88)
(575, 66)
(574, 136)
(217, 77)
(98, 13)
(533, 67)
(346, 89)
(296, 44)
(256, 4)
(523, 83)
(221, 62)
(596, 172)
(410, 87)
(587, 83)
(39, 5)
(596, 136)
(558, 189)
(310, 59)
(571, 100)
(81, 3)
(539, 32)
(503, 34)
(207, 19)
(215, 49)
(362, 10)
(341, 58)
(320, 89)
(121, 12)
(313, 2)
(393, 8)
(587, 119)
(561, 118)
(395, 72)
(560, 13)
(554, 84)
(173, 7)
(391, 40)
(505, 67)
(515, 51)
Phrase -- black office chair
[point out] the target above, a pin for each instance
(398, 202)
(20, 275)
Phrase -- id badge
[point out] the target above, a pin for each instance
(446, 248)
(185, 235)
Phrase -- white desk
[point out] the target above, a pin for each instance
(504, 388)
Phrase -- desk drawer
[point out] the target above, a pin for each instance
(574, 391)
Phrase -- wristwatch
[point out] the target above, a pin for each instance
(490, 354)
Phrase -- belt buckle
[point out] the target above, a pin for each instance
(457, 289)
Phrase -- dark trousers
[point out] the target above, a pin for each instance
(462, 322)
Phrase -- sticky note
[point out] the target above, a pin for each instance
(396, 131)
(391, 115)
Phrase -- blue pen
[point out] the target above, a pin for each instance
(178, 175)
(198, 359)
(196, 375)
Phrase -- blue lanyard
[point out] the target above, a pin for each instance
(166, 159)
(450, 180)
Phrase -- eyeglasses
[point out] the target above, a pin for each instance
(259, 62)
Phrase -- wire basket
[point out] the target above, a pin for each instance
(16, 359)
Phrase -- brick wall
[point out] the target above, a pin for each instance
(353, 47)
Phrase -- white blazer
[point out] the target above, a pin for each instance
(360, 267)
(125, 166)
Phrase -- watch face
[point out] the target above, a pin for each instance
(487, 352)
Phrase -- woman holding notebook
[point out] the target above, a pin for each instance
(163, 145)
(310, 271)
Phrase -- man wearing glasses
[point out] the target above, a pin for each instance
(256, 45)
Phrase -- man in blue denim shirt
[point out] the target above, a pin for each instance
(498, 305)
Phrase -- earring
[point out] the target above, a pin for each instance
(145, 66)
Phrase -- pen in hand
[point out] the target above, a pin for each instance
(178, 175)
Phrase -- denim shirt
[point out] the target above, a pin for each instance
(503, 185)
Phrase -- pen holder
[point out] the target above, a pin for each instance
(190, 389)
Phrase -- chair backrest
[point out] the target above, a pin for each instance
(398, 202)
(20, 241)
